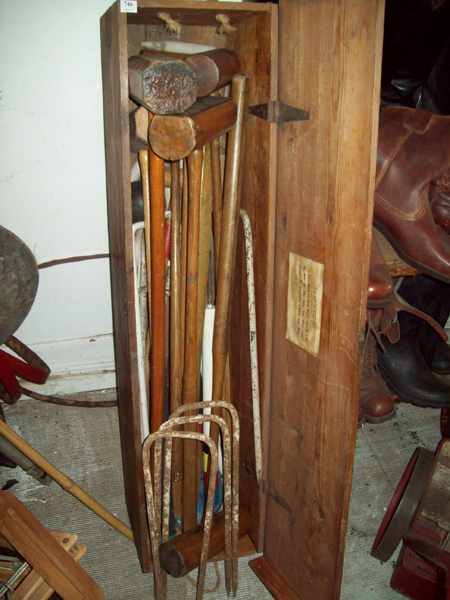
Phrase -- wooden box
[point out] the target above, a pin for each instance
(308, 188)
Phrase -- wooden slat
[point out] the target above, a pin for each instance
(117, 147)
(330, 54)
(259, 61)
(41, 550)
(194, 12)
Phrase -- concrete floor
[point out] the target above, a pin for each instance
(84, 444)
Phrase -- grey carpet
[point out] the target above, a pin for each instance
(84, 444)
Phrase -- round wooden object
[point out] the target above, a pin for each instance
(213, 69)
(162, 86)
(403, 504)
(174, 137)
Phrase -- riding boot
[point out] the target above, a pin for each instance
(376, 402)
(413, 152)
(433, 297)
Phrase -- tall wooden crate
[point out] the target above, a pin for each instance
(308, 188)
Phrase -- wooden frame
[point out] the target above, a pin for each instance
(309, 192)
(255, 43)
(330, 64)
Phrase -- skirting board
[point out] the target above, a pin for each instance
(77, 365)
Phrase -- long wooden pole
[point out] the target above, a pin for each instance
(145, 182)
(216, 173)
(63, 480)
(191, 352)
(230, 223)
(176, 336)
(158, 276)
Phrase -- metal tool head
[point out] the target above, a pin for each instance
(19, 279)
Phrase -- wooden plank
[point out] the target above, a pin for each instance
(117, 147)
(330, 54)
(253, 44)
(194, 12)
(41, 550)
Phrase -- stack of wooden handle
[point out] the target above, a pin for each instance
(181, 128)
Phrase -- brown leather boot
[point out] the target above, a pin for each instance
(413, 151)
(380, 289)
(381, 295)
(440, 202)
(376, 402)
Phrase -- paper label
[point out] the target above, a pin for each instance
(128, 6)
(304, 303)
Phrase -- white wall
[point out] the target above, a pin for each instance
(52, 175)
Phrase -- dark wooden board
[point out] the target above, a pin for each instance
(117, 148)
(330, 54)
(258, 57)
(194, 13)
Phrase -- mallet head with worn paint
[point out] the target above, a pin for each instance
(164, 86)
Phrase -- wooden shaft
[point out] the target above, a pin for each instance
(181, 554)
(163, 86)
(65, 482)
(216, 171)
(145, 183)
(213, 69)
(204, 241)
(184, 240)
(228, 239)
(158, 275)
(139, 120)
(191, 353)
(176, 337)
(176, 136)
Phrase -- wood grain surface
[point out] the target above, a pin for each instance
(115, 94)
(330, 55)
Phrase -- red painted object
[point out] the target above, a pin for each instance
(423, 567)
(10, 369)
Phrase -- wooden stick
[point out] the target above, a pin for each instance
(184, 240)
(191, 351)
(204, 240)
(158, 275)
(176, 335)
(62, 480)
(178, 450)
(216, 171)
(228, 239)
(145, 181)
(176, 136)
(139, 120)
(162, 86)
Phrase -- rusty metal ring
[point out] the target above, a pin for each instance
(403, 504)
